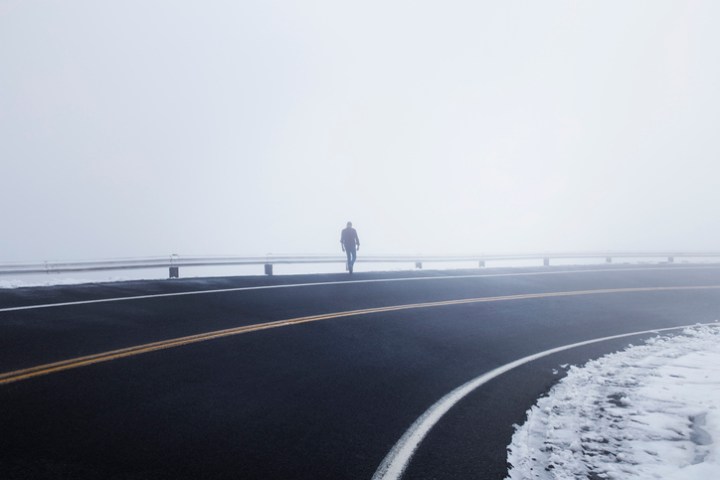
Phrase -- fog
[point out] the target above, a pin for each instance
(152, 127)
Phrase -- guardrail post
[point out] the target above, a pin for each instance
(174, 269)
(481, 264)
(268, 269)
(671, 259)
(608, 260)
(546, 261)
(418, 265)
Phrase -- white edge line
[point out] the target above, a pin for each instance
(346, 282)
(394, 464)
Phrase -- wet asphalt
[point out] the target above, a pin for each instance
(320, 400)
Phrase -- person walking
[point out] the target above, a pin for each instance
(350, 244)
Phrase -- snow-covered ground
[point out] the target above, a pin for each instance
(649, 412)
(36, 282)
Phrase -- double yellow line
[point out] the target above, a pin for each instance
(39, 370)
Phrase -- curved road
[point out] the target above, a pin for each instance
(314, 376)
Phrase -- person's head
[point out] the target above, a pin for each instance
(349, 224)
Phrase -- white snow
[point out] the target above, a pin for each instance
(649, 412)
(50, 281)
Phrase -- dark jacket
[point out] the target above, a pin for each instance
(349, 238)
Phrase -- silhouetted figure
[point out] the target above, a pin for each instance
(350, 245)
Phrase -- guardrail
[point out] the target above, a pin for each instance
(174, 262)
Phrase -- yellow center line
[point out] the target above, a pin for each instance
(36, 371)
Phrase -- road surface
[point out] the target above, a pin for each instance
(307, 377)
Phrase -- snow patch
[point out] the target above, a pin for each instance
(41, 283)
(649, 412)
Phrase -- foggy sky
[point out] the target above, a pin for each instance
(154, 127)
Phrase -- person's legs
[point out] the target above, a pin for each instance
(352, 255)
(348, 265)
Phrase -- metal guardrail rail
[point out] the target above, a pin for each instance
(175, 262)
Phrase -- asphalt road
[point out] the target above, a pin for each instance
(325, 396)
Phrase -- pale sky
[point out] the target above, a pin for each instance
(141, 128)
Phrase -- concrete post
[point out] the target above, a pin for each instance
(268, 269)
(481, 264)
(608, 260)
(546, 261)
(671, 259)
(418, 265)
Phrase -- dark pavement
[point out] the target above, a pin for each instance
(321, 400)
